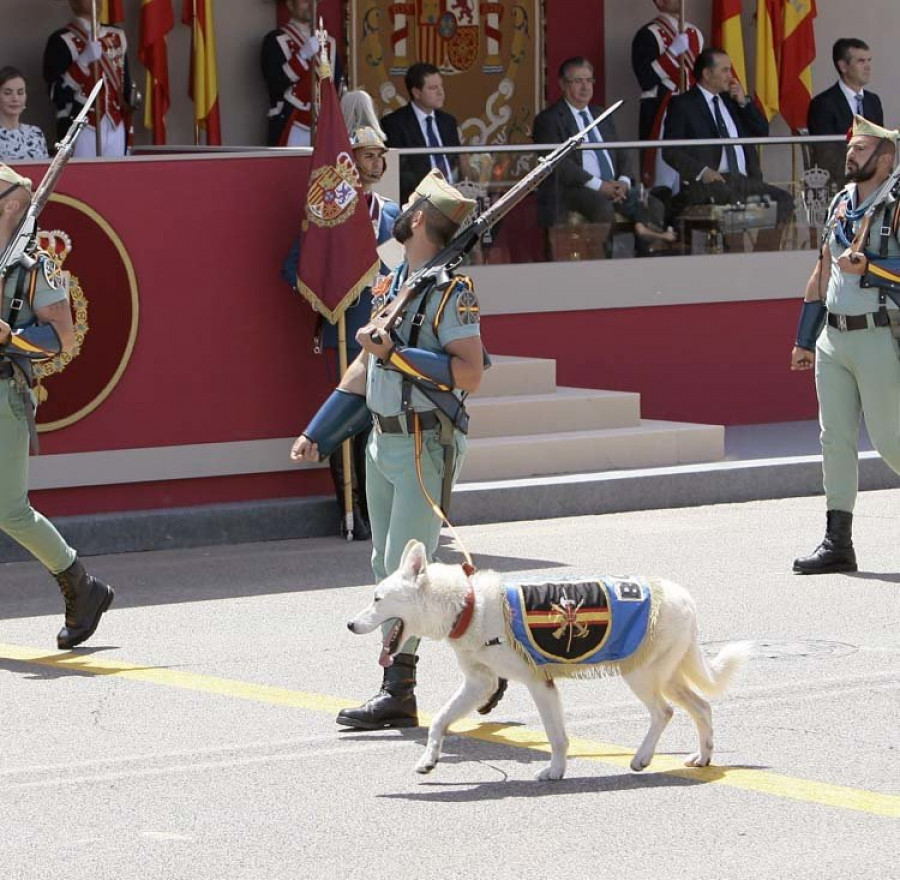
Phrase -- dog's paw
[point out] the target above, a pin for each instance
(550, 772)
(639, 762)
(424, 767)
(698, 760)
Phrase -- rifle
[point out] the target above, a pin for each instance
(466, 239)
(23, 241)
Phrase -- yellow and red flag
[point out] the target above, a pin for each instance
(204, 82)
(769, 39)
(157, 19)
(798, 52)
(728, 34)
(338, 256)
(111, 11)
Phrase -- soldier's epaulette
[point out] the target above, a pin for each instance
(463, 287)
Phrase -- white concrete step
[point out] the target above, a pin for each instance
(518, 375)
(566, 409)
(649, 444)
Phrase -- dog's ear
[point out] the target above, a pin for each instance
(414, 559)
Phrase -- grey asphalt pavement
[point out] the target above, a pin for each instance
(193, 736)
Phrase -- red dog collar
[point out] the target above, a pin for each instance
(465, 616)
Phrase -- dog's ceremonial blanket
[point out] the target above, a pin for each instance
(570, 627)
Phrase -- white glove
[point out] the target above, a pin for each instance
(680, 45)
(310, 48)
(93, 51)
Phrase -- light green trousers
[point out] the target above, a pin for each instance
(857, 372)
(398, 510)
(17, 517)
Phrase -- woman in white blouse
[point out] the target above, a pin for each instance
(17, 140)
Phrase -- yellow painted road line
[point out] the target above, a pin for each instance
(746, 779)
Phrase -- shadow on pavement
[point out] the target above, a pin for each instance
(220, 572)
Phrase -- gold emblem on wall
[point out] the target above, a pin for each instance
(56, 246)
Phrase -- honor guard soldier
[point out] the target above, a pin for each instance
(658, 52)
(288, 66)
(413, 382)
(369, 151)
(35, 325)
(849, 328)
(70, 61)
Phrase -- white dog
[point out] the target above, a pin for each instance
(440, 601)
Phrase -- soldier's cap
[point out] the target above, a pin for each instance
(863, 128)
(365, 137)
(11, 178)
(447, 199)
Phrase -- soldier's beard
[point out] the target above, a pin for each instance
(860, 174)
(402, 230)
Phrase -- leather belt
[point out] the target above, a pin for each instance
(405, 424)
(6, 370)
(858, 322)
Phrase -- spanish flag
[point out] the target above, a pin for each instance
(157, 19)
(728, 34)
(797, 55)
(204, 82)
(769, 30)
(111, 11)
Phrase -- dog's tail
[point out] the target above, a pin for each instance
(714, 678)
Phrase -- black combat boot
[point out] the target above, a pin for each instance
(836, 552)
(86, 600)
(394, 705)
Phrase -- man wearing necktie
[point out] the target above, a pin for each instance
(832, 111)
(594, 183)
(422, 123)
(717, 107)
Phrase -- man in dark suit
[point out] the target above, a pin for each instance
(717, 107)
(832, 111)
(422, 123)
(593, 183)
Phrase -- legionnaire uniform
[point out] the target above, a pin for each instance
(409, 409)
(70, 79)
(658, 68)
(22, 293)
(288, 61)
(857, 363)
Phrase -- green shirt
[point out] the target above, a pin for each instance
(844, 295)
(458, 319)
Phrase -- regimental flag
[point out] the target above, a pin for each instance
(797, 55)
(157, 19)
(204, 82)
(769, 39)
(338, 257)
(111, 11)
(728, 34)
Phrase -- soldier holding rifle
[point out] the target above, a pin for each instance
(35, 324)
(78, 56)
(414, 381)
(849, 329)
(422, 355)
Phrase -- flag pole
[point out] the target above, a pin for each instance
(314, 73)
(98, 74)
(347, 478)
(193, 71)
(682, 62)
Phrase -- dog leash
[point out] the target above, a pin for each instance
(468, 565)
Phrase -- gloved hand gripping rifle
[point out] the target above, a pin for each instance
(23, 241)
(466, 239)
